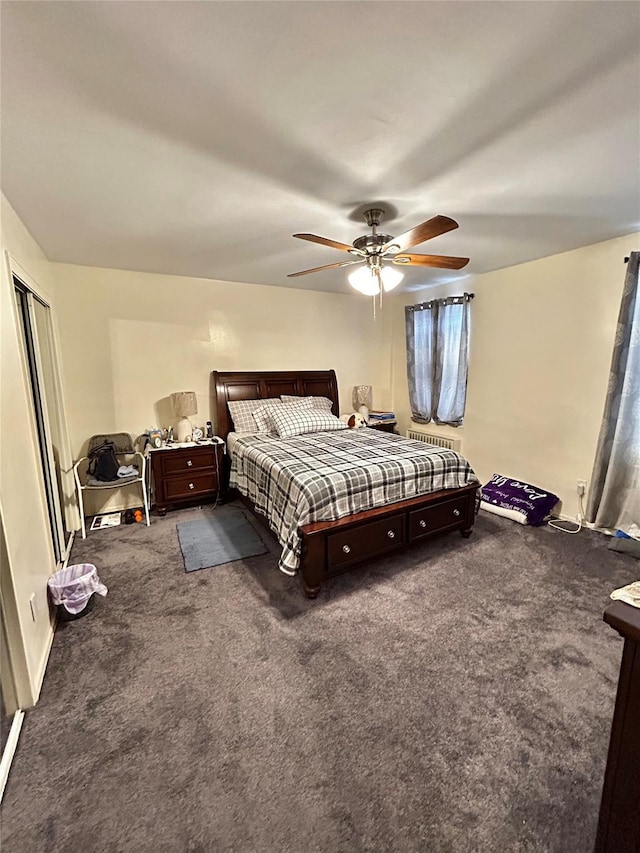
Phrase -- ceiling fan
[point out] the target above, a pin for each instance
(377, 251)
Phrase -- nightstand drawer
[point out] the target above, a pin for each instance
(357, 543)
(183, 461)
(190, 485)
(433, 519)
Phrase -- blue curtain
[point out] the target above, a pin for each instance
(437, 356)
(614, 495)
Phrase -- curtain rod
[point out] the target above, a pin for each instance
(422, 305)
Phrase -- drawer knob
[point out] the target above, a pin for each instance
(423, 523)
(189, 463)
(456, 512)
(391, 534)
(191, 486)
(346, 549)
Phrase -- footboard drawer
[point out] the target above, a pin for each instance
(363, 540)
(439, 517)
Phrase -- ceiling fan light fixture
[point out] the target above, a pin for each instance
(390, 278)
(365, 281)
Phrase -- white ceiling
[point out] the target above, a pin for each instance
(196, 138)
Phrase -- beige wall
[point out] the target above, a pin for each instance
(28, 560)
(131, 339)
(542, 338)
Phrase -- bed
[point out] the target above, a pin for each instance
(324, 547)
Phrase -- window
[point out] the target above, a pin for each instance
(437, 354)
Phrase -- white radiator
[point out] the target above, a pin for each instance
(435, 439)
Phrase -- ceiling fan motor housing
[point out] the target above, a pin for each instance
(373, 216)
(371, 242)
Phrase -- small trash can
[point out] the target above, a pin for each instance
(71, 590)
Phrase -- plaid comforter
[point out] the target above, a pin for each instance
(325, 476)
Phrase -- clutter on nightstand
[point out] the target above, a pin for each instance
(383, 421)
(377, 417)
(629, 594)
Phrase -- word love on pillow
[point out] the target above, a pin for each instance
(535, 503)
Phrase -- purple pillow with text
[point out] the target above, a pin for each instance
(507, 493)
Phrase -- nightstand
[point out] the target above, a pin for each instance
(383, 427)
(186, 474)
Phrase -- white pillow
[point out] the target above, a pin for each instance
(241, 411)
(323, 403)
(294, 420)
(262, 415)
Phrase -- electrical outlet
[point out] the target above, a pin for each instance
(581, 487)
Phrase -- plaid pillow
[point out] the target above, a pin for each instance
(323, 403)
(262, 416)
(294, 420)
(241, 412)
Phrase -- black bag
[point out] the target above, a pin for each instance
(103, 462)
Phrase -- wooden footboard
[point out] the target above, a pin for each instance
(330, 548)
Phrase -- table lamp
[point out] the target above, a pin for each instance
(362, 397)
(184, 404)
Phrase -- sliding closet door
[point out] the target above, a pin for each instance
(40, 360)
(50, 391)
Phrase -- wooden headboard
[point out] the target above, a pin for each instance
(263, 384)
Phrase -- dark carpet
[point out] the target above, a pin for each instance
(457, 697)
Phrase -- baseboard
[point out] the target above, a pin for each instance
(45, 660)
(67, 550)
(47, 651)
(10, 749)
(588, 524)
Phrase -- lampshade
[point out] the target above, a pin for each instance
(390, 278)
(184, 403)
(362, 396)
(365, 280)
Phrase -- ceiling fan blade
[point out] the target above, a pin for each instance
(326, 267)
(425, 231)
(442, 261)
(324, 241)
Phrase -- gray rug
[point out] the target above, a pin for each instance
(455, 698)
(224, 535)
(625, 546)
